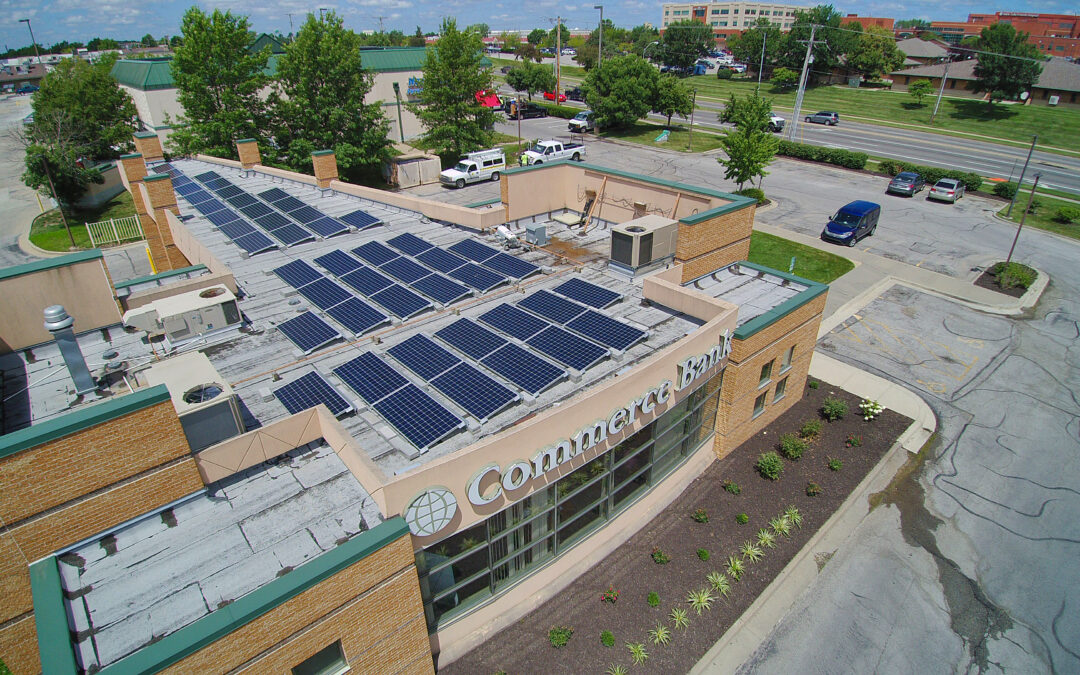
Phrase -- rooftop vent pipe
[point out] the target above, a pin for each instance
(59, 324)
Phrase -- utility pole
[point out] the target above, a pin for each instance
(600, 51)
(1023, 217)
(941, 91)
(807, 60)
(761, 64)
(59, 204)
(1020, 182)
(290, 24)
(690, 136)
(558, 58)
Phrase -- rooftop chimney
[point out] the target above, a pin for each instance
(59, 324)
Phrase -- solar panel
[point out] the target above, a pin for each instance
(324, 293)
(272, 220)
(404, 269)
(409, 243)
(417, 416)
(291, 234)
(308, 332)
(367, 280)
(222, 217)
(242, 200)
(479, 278)
(565, 347)
(306, 214)
(216, 184)
(551, 306)
(525, 369)
(587, 293)
(441, 260)
(356, 315)
(327, 226)
(513, 321)
(441, 289)
(179, 178)
(339, 263)
(289, 203)
(473, 250)
(359, 219)
(478, 394)
(209, 175)
(474, 341)
(515, 268)
(273, 194)
(605, 330)
(187, 188)
(423, 356)
(209, 206)
(370, 377)
(308, 392)
(400, 301)
(230, 191)
(375, 253)
(198, 196)
(298, 273)
(255, 242)
(236, 229)
(256, 210)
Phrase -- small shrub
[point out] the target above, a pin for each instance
(703, 554)
(700, 516)
(679, 618)
(1033, 206)
(1013, 274)
(616, 669)
(792, 447)
(1066, 215)
(793, 514)
(810, 429)
(751, 552)
(724, 74)
(870, 409)
(661, 635)
(610, 595)
(770, 466)
(1006, 190)
(659, 557)
(813, 384)
(853, 441)
(700, 600)
(835, 464)
(558, 636)
(654, 599)
(742, 519)
(781, 525)
(833, 409)
(732, 487)
(812, 489)
(766, 539)
(719, 583)
(753, 193)
(735, 567)
(637, 653)
(607, 638)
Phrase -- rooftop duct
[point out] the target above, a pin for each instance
(59, 323)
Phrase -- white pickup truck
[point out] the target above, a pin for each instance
(550, 151)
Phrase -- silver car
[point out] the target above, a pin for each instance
(947, 190)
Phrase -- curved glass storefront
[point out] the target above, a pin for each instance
(484, 560)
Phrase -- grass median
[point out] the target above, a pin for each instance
(810, 263)
(1048, 213)
(47, 231)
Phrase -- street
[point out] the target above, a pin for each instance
(17, 202)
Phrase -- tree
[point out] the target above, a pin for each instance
(874, 53)
(455, 122)
(829, 42)
(218, 79)
(101, 44)
(622, 90)
(71, 178)
(175, 41)
(913, 23)
(784, 78)
(100, 115)
(527, 51)
(684, 42)
(536, 36)
(673, 97)
(746, 48)
(641, 36)
(530, 78)
(920, 89)
(482, 29)
(586, 55)
(1000, 76)
(510, 42)
(559, 31)
(148, 41)
(749, 147)
(318, 100)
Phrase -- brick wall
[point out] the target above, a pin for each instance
(159, 238)
(325, 164)
(248, 151)
(18, 646)
(714, 260)
(148, 145)
(715, 233)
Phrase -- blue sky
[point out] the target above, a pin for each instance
(55, 20)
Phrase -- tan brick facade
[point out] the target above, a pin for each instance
(248, 151)
(18, 646)
(148, 145)
(162, 198)
(134, 171)
(714, 260)
(708, 237)
(325, 165)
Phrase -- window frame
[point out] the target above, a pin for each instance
(759, 404)
(765, 377)
(781, 390)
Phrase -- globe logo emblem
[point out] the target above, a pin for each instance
(431, 511)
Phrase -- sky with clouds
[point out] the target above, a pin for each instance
(56, 20)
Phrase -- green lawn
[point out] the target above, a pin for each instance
(47, 230)
(1043, 217)
(645, 133)
(810, 263)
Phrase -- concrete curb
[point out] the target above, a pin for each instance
(740, 641)
(28, 248)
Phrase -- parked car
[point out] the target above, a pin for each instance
(707, 63)
(548, 51)
(575, 94)
(27, 89)
(550, 95)
(582, 122)
(852, 222)
(946, 190)
(569, 51)
(505, 69)
(475, 167)
(906, 183)
(824, 117)
(738, 67)
(525, 110)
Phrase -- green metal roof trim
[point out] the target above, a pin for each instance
(212, 627)
(145, 134)
(144, 74)
(321, 153)
(486, 202)
(54, 638)
(81, 418)
(754, 325)
(132, 155)
(50, 263)
(246, 140)
(151, 178)
(160, 275)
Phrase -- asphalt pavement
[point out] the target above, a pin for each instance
(18, 203)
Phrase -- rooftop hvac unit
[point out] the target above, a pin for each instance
(536, 234)
(187, 316)
(644, 242)
(204, 402)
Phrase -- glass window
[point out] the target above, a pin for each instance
(785, 363)
(766, 373)
(781, 390)
(759, 404)
(327, 661)
(723, 11)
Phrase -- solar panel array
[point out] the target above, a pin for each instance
(493, 259)
(308, 332)
(310, 217)
(242, 233)
(582, 320)
(587, 293)
(309, 391)
(524, 369)
(341, 305)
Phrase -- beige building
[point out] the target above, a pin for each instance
(731, 15)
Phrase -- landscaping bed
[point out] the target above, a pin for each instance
(632, 572)
(1016, 284)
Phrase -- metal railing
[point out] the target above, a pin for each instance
(114, 231)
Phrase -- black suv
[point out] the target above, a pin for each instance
(575, 94)
(526, 110)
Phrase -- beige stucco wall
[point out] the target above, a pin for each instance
(156, 108)
(382, 91)
(98, 194)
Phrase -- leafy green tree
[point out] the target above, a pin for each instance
(218, 79)
(673, 97)
(527, 51)
(622, 90)
(830, 43)
(70, 178)
(536, 36)
(1000, 76)
(913, 23)
(874, 52)
(417, 38)
(148, 41)
(482, 29)
(562, 30)
(530, 78)
(396, 38)
(175, 41)
(746, 48)
(101, 115)
(455, 122)
(749, 147)
(510, 42)
(920, 89)
(318, 100)
(684, 42)
(641, 36)
(784, 77)
(101, 44)
(586, 55)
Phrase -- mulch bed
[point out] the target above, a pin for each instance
(524, 648)
(987, 280)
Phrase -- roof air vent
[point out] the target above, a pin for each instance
(202, 393)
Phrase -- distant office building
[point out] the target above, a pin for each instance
(869, 21)
(729, 19)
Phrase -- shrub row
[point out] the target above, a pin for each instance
(565, 112)
(753, 193)
(838, 156)
(932, 174)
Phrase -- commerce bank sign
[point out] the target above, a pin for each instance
(516, 474)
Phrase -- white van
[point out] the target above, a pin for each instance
(475, 167)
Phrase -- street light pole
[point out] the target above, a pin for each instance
(690, 136)
(1023, 217)
(807, 60)
(32, 40)
(1020, 182)
(646, 50)
(600, 51)
(941, 92)
(761, 64)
